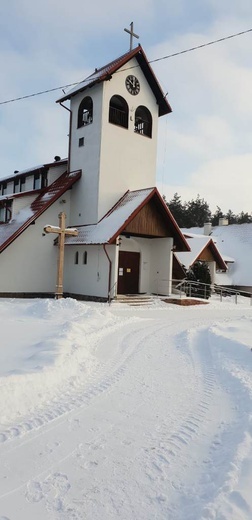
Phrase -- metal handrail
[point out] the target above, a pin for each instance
(218, 289)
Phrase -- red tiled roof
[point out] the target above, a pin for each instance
(10, 231)
(105, 73)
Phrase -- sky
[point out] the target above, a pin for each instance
(204, 145)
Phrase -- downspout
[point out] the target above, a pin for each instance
(110, 269)
(70, 134)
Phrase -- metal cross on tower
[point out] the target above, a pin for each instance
(132, 35)
(61, 230)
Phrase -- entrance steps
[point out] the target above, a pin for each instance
(135, 299)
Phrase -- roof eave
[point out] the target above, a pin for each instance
(139, 54)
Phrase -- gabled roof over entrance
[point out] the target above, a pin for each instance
(105, 73)
(11, 230)
(124, 217)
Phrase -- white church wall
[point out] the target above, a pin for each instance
(128, 159)
(113, 252)
(55, 172)
(161, 266)
(113, 159)
(29, 264)
(9, 188)
(142, 246)
(90, 279)
(28, 183)
(84, 205)
(155, 262)
(22, 202)
(212, 269)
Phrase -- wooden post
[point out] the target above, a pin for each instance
(61, 230)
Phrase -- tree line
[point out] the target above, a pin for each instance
(196, 212)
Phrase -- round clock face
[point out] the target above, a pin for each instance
(132, 85)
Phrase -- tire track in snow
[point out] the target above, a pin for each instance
(215, 486)
(105, 376)
(175, 447)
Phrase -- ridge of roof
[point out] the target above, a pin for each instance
(45, 199)
(105, 73)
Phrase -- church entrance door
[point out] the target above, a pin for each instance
(128, 272)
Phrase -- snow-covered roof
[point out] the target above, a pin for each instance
(235, 245)
(12, 229)
(116, 220)
(197, 244)
(107, 228)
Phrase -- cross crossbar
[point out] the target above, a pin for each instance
(132, 35)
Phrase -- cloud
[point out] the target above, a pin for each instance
(47, 44)
(204, 146)
(224, 182)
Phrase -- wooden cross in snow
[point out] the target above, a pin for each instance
(132, 35)
(61, 230)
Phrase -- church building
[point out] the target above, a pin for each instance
(106, 188)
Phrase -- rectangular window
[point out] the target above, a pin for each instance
(4, 188)
(81, 141)
(5, 211)
(16, 185)
(22, 184)
(44, 180)
(2, 214)
(36, 181)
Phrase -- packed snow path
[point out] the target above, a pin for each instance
(137, 414)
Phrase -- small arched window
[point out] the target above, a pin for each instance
(85, 257)
(76, 257)
(85, 112)
(119, 111)
(143, 121)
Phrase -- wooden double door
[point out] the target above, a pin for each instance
(128, 272)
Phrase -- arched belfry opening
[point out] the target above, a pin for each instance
(85, 112)
(143, 121)
(119, 111)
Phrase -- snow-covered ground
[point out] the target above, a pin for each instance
(132, 413)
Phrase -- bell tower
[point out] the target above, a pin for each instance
(113, 134)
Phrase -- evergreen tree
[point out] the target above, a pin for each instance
(244, 218)
(199, 272)
(197, 212)
(232, 218)
(178, 209)
(216, 216)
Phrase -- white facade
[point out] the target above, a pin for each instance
(92, 278)
(29, 264)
